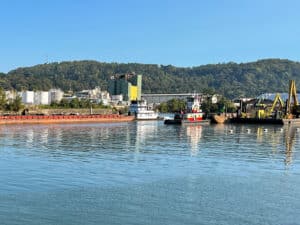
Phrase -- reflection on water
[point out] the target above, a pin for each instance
(145, 130)
(276, 136)
(149, 173)
(147, 136)
(194, 134)
(290, 139)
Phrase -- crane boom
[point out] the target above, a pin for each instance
(292, 96)
(276, 100)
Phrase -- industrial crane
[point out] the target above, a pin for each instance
(292, 105)
(271, 112)
(277, 100)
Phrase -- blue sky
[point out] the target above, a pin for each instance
(177, 32)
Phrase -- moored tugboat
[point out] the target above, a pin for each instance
(192, 115)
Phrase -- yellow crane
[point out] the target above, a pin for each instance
(292, 107)
(277, 100)
(271, 112)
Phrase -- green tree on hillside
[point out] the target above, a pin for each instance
(3, 100)
(228, 79)
(173, 105)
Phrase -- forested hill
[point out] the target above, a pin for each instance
(230, 79)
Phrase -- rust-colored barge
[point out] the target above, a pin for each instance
(48, 119)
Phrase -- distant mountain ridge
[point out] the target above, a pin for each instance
(230, 79)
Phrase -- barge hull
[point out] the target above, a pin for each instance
(43, 119)
(172, 122)
(256, 121)
(186, 122)
(294, 121)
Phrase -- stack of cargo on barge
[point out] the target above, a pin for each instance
(48, 119)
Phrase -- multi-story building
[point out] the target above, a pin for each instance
(127, 85)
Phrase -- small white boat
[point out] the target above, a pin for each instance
(141, 111)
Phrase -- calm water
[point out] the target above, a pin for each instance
(149, 173)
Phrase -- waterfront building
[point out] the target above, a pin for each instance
(104, 97)
(92, 94)
(56, 95)
(127, 85)
(95, 95)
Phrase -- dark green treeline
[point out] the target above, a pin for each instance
(229, 79)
